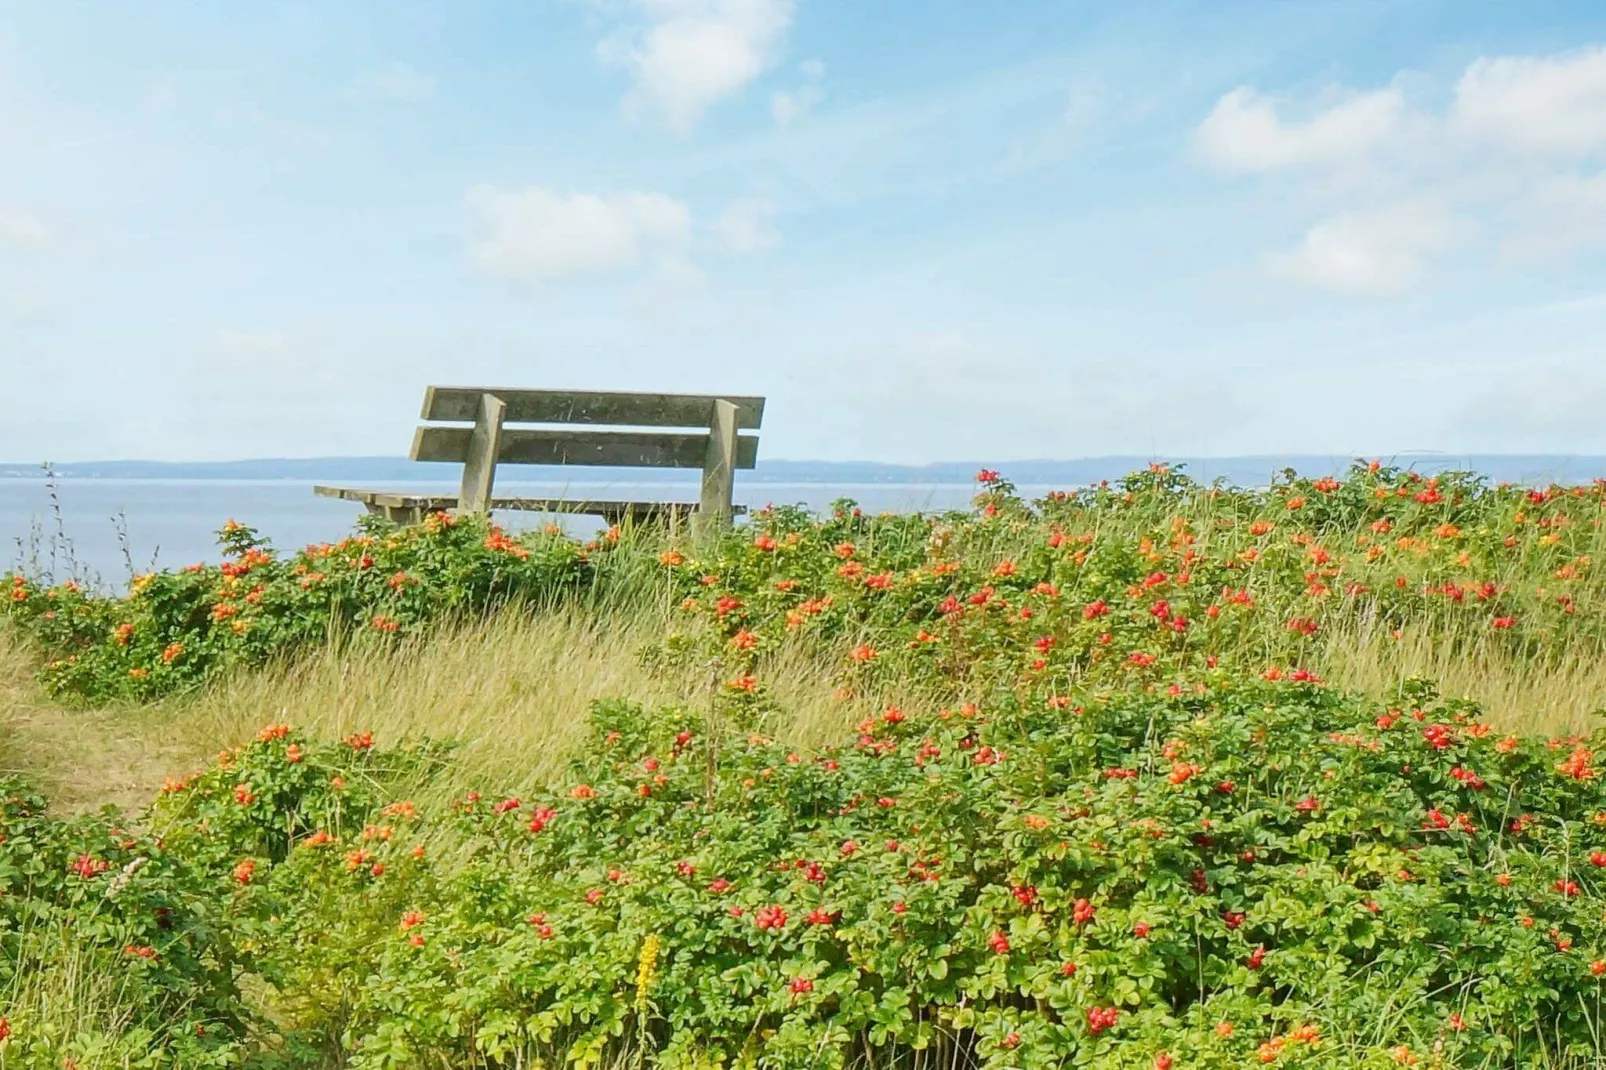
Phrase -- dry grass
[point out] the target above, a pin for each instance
(1555, 697)
(513, 691)
(60, 988)
(82, 758)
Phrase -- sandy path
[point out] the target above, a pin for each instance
(81, 758)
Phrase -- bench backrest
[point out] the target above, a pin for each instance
(717, 446)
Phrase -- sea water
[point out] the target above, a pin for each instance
(111, 528)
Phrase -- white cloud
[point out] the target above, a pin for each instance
(744, 227)
(1506, 157)
(677, 273)
(1581, 197)
(24, 231)
(397, 82)
(1244, 132)
(1562, 213)
(1376, 252)
(693, 53)
(789, 105)
(536, 236)
(1543, 105)
(661, 299)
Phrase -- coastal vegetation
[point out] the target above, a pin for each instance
(1146, 774)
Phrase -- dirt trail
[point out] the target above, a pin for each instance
(81, 758)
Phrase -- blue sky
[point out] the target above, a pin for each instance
(925, 230)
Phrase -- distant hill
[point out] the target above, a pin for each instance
(1252, 470)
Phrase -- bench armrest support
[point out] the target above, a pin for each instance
(479, 469)
(719, 469)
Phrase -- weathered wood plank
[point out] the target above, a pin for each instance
(396, 503)
(719, 464)
(385, 499)
(460, 403)
(414, 452)
(484, 445)
(350, 494)
(616, 449)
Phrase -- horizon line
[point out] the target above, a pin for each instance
(1148, 457)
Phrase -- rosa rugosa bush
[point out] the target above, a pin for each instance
(176, 629)
(1247, 872)
(1131, 585)
(91, 905)
(1119, 821)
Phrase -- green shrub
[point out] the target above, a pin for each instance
(176, 629)
(111, 945)
(1121, 822)
(1258, 871)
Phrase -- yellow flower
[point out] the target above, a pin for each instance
(646, 970)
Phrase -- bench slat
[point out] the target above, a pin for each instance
(431, 503)
(461, 403)
(615, 449)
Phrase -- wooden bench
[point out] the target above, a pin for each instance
(716, 446)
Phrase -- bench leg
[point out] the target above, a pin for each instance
(397, 514)
(479, 469)
(719, 468)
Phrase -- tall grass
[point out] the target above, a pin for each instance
(511, 691)
(1556, 696)
(512, 688)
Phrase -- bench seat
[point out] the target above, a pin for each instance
(412, 508)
